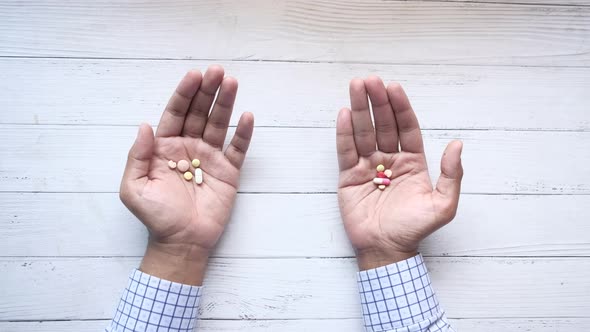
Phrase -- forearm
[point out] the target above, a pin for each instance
(399, 297)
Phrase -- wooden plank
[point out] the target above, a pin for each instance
(39, 91)
(305, 30)
(91, 159)
(82, 288)
(341, 325)
(520, 2)
(480, 228)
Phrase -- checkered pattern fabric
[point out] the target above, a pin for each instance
(153, 304)
(398, 297)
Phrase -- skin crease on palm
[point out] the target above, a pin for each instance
(186, 220)
(386, 226)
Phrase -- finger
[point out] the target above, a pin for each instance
(385, 126)
(140, 154)
(236, 151)
(345, 147)
(448, 187)
(364, 134)
(196, 119)
(408, 128)
(172, 120)
(216, 127)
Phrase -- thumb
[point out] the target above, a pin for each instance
(140, 154)
(448, 187)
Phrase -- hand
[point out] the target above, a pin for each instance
(386, 226)
(184, 219)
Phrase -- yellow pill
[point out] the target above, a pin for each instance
(172, 164)
(380, 168)
(188, 176)
(382, 187)
(196, 163)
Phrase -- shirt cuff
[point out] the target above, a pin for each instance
(153, 304)
(397, 296)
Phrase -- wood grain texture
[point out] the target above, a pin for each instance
(305, 325)
(124, 92)
(83, 288)
(91, 159)
(519, 2)
(305, 30)
(43, 225)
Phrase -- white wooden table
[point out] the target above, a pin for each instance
(512, 80)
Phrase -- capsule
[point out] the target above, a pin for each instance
(383, 181)
(198, 175)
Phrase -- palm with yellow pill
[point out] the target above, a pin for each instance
(385, 226)
(186, 219)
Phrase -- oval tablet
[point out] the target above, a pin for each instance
(188, 176)
(380, 168)
(183, 165)
(196, 163)
(388, 173)
(198, 175)
(172, 164)
(382, 186)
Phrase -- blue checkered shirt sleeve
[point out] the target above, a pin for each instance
(398, 297)
(153, 304)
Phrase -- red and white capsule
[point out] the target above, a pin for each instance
(383, 181)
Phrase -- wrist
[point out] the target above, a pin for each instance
(372, 258)
(181, 263)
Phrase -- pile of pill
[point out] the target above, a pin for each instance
(183, 166)
(383, 177)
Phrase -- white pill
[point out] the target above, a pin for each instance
(198, 175)
(183, 165)
(172, 164)
(382, 186)
(388, 173)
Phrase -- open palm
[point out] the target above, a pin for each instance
(387, 225)
(173, 209)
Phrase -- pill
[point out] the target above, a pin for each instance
(183, 165)
(196, 163)
(380, 168)
(381, 186)
(381, 175)
(188, 176)
(388, 173)
(172, 164)
(198, 175)
(384, 181)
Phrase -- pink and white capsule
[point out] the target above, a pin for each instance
(384, 181)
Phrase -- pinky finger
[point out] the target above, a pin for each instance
(236, 151)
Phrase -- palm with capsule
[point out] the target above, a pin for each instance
(177, 211)
(387, 225)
